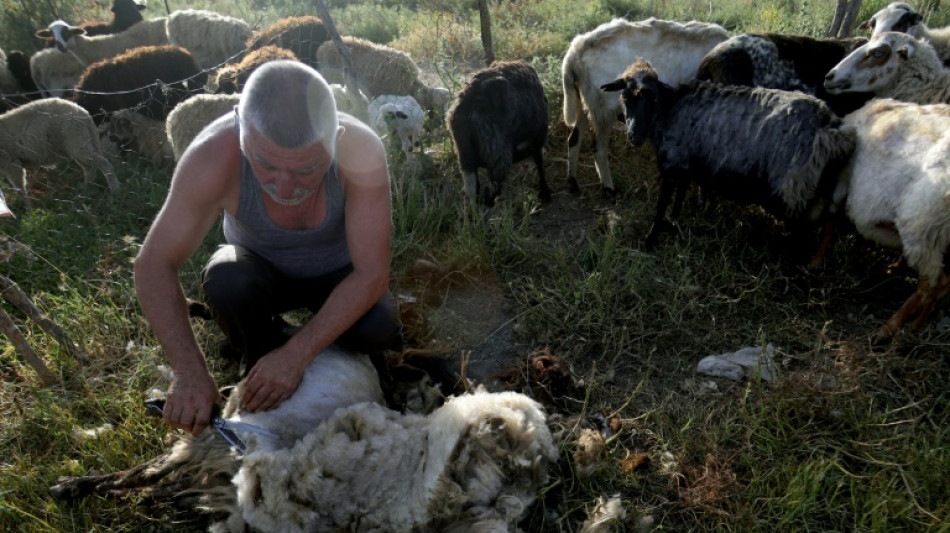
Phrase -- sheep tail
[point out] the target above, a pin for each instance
(571, 94)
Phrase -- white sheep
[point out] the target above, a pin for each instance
(399, 117)
(188, 118)
(898, 194)
(893, 65)
(898, 16)
(601, 55)
(380, 70)
(56, 70)
(213, 39)
(50, 131)
(142, 136)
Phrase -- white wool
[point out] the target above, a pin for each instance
(601, 55)
(605, 514)
(213, 39)
(474, 464)
(188, 118)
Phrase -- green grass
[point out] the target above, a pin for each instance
(849, 439)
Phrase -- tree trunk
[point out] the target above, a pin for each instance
(344, 50)
(850, 18)
(486, 31)
(10, 329)
(841, 6)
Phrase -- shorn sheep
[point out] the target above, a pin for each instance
(186, 121)
(893, 65)
(898, 195)
(47, 132)
(788, 62)
(398, 118)
(301, 35)
(379, 70)
(150, 79)
(599, 56)
(56, 70)
(498, 118)
(900, 17)
(782, 150)
(213, 39)
(344, 462)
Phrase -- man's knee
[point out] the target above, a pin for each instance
(378, 330)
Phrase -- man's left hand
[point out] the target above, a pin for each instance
(272, 380)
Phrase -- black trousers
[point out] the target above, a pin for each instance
(246, 295)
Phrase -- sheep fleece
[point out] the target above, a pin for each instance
(474, 464)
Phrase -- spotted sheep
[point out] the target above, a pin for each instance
(900, 17)
(787, 62)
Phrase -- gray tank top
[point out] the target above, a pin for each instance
(295, 253)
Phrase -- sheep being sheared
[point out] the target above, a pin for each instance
(344, 462)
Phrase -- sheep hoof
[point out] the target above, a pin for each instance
(884, 336)
(610, 194)
(572, 186)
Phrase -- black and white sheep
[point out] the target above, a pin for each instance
(301, 35)
(213, 39)
(782, 150)
(398, 118)
(498, 118)
(380, 69)
(893, 65)
(125, 13)
(898, 195)
(186, 121)
(47, 132)
(777, 61)
(149, 79)
(599, 56)
(231, 78)
(56, 70)
(900, 17)
(344, 462)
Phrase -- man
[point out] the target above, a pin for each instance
(305, 196)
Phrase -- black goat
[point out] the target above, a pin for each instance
(500, 117)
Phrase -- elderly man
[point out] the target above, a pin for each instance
(307, 218)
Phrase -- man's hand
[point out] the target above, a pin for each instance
(189, 401)
(272, 380)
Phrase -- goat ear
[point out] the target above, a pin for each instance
(613, 86)
(866, 25)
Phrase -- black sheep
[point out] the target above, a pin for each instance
(500, 117)
(788, 62)
(150, 79)
(782, 150)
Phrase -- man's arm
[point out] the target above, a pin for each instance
(199, 190)
(365, 177)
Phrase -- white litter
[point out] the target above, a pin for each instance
(750, 362)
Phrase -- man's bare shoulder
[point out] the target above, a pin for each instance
(211, 166)
(359, 150)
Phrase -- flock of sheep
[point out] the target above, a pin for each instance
(810, 129)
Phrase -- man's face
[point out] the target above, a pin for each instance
(288, 175)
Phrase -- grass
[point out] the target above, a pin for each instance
(849, 438)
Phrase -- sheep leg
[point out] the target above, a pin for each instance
(145, 474)
(898, 319)
(668, 184)
(470, 177)
(573, 151)
(827, 233)
(96, 162)
(932, 295)
(601, 159)
(544, 193)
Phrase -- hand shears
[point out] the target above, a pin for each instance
(225, 428)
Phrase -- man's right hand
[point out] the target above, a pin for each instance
(189, 401)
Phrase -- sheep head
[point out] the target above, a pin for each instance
(874, 66)
(897, 16)
(639, 88)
